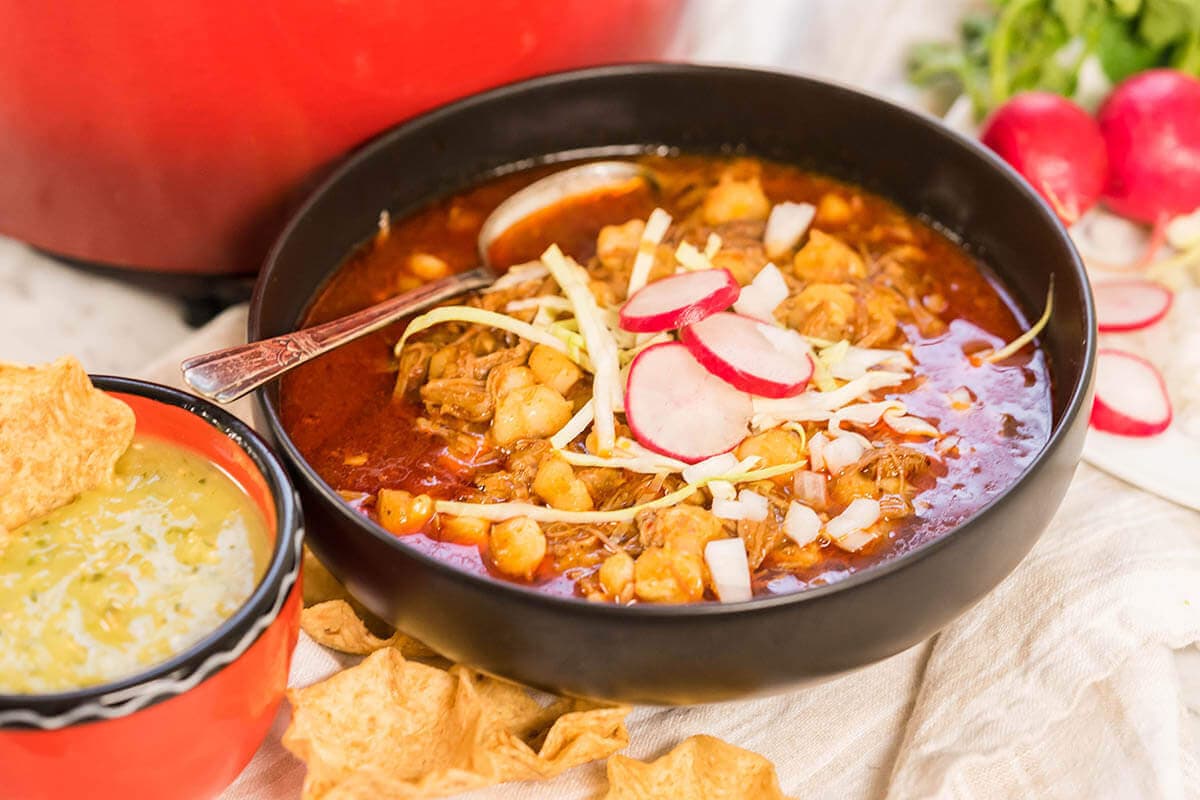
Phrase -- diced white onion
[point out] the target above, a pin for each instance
(909, 426)
(841, 453)
(722, 464)
(862, 513)
(841, 433)
(961, 398)
(691, 258)
(712, 246)
(854, 362)
(729, 568)
(755, 505)
(947, 444)
(722, 490)
(786, 223)
(865, 413)
(760, 298)
(854, 541)
(811, 488)
(816, 451)
(802, 525)
(728, 509)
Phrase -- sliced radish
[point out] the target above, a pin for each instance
(737, 350)
(679, 300)
(676, 407)
(1131, 397)
(1130, 305)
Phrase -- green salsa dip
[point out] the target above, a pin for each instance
(128, 575)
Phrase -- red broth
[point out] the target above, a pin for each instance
(340, 411)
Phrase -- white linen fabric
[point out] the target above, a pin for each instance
(1062, 683)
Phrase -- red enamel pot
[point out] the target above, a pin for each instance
(185, 728)
(171, 136)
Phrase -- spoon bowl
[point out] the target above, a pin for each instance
(227, 374)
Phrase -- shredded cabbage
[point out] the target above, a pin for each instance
(646, 466)
(656, 227)
(498, 512)
(819, 406)
(1028, 336)
(550, 301)
(576, 425)
(516, 275)
(601, 347)
(491, 319)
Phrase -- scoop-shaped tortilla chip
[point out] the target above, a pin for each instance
(700, 768)
(403, 730)
(59, 436)
(336, 625)
(319, 583)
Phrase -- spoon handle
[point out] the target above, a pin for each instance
(225, 375)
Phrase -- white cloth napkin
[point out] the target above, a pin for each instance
(1062, 683)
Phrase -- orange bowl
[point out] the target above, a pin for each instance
(186, 727)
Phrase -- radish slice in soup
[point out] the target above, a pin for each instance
(1131, 397)
(676, 407)
(729, 568)
(736, 349)
(679, 300)
(1130, 305)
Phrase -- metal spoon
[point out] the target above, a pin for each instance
(225, 375)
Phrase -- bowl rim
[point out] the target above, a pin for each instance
(530, 594)
(191, 666)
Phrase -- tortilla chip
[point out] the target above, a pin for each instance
(319, 583)
(59, 436)
(700, 768)
(336, 625)
(404, 730)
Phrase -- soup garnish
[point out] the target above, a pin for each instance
(768, 382)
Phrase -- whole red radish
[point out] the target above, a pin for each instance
(1151, 126)
(1055, 146)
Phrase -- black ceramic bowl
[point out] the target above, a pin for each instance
(677, 654)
